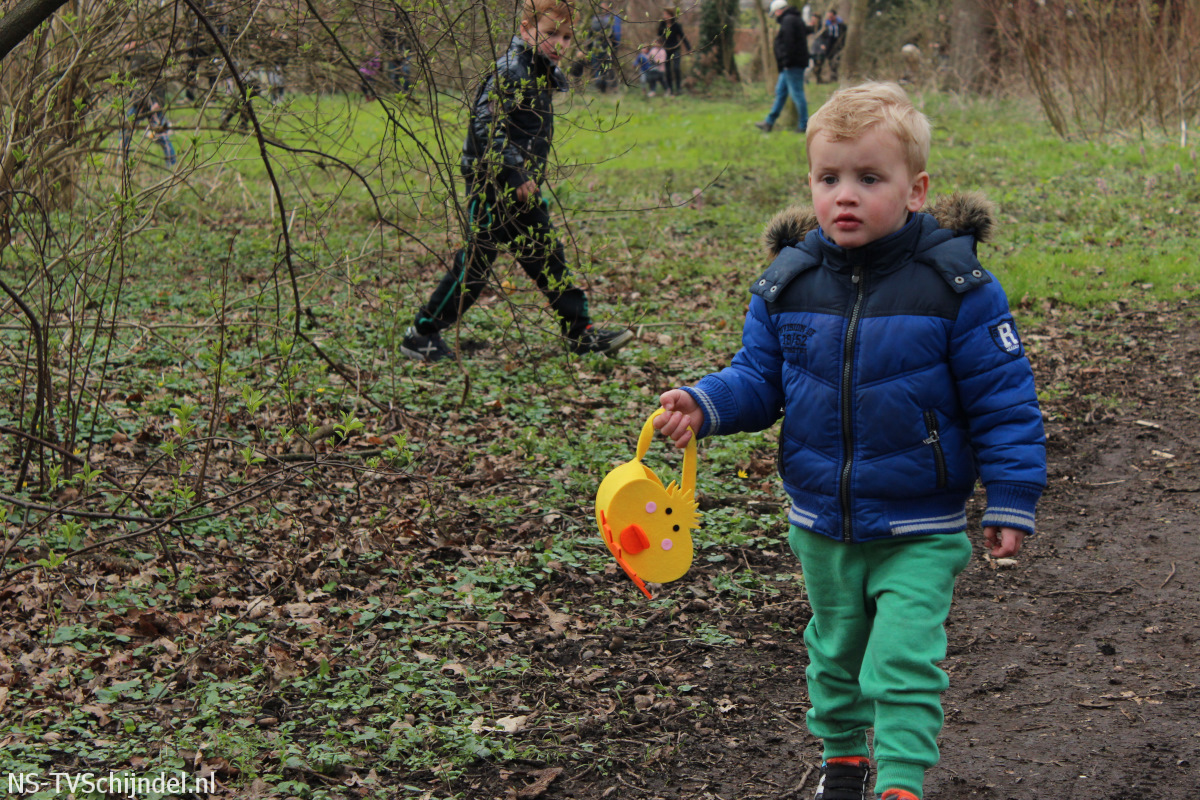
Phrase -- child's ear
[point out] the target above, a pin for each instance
(920, 188)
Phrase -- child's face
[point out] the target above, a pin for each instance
(863, 188)
(551, 37)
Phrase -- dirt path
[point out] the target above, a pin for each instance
(1077, 674)
(1074, 674)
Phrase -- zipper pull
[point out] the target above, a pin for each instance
(856, 276)
(934, 438)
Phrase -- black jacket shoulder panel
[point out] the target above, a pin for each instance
(790, 262)
(516, 71)
(953, 256)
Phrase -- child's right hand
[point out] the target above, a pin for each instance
(527, 190)
(681, 417)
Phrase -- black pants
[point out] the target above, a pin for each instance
(674, 71)
(526, 231)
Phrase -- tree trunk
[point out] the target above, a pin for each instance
(769, 71)
(968, 44)
(23, 20)
(850, 69)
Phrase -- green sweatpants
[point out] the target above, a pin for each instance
(874, 642)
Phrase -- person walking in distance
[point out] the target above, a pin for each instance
(674, 41)
(791, 56)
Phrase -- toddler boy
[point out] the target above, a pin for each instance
(895, 363)
(504, 163)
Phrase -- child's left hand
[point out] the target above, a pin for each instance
(1004, 542)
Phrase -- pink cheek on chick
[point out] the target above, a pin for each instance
(665, 544)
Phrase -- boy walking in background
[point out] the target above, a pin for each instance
(894, 361)
(504, 163)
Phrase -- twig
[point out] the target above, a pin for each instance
(155, 524)
(800, 786)
(1168, 578)
(793, 724)
(456, 623)
(1118, 590)
(41, 398)
(630, 785)
(215, 411)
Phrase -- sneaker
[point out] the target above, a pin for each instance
(897, 794)
(844, 778)
(601, 340)
(764, 126)
(424, 348)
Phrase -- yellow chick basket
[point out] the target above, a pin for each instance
(648, 526)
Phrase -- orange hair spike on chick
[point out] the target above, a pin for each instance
(648, 526)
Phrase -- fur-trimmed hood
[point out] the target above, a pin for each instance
(966, 212)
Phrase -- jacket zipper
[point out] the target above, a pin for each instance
(848, 402)
(935, 440)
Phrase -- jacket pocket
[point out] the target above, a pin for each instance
(934, 440)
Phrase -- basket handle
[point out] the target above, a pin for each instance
(688, 481)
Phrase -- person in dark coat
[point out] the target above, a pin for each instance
(791, 56)
(674, 41)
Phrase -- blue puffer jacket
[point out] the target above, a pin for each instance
(899, 374)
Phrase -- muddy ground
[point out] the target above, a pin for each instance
(1074, 673)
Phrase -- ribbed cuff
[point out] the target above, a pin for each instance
(716, 401)
(853, 745)
(900, 775)
(1012, 505)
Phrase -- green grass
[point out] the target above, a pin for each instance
(1083, 223)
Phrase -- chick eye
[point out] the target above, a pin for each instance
(667, 511)
(675, 528)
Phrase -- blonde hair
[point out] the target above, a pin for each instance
(851, 112)
(536, 9)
